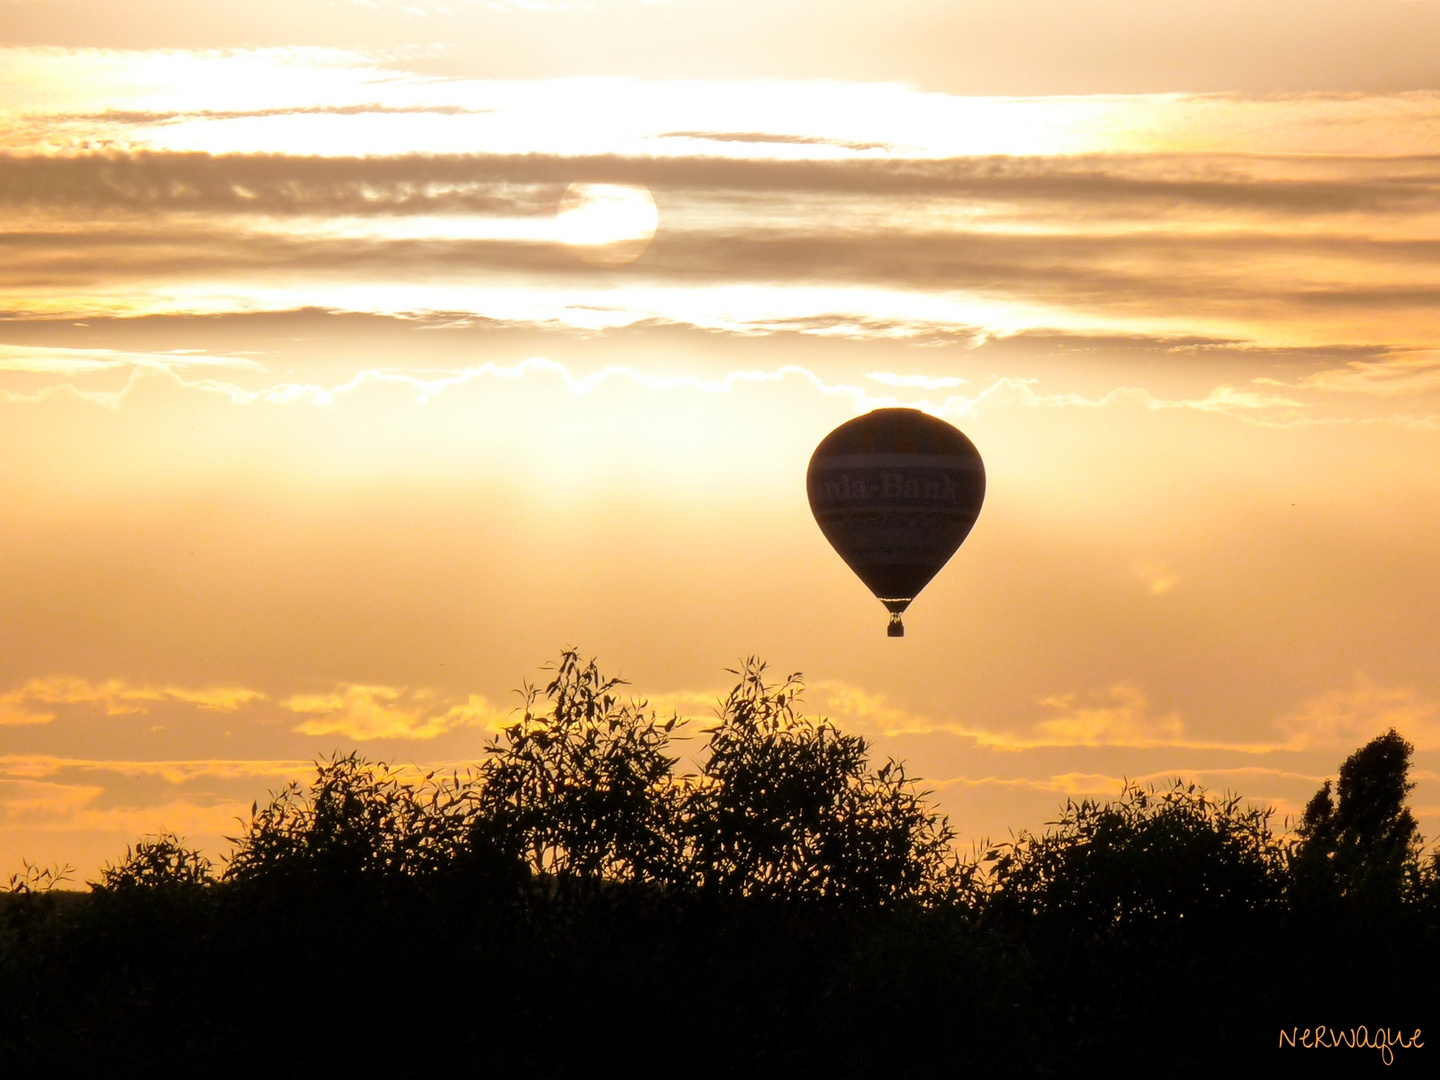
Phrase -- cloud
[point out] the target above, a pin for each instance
(860, 710)
(26, 704)
(1284, 790)
(53, 360)
(1126, 274)
(768, 138)
(1343, 719)
(1118, 717)
(1403, 373)
(33, 701)
(151, 116)
(43, 766)
(1009, 391)
(1157, 577)
(215, 699)
(359, 712)
(999, 393)
(1159, 243)
(153, 183)
(29, 807)
(26, 802)
(1071, 187)
(364, 713)
(694, 705)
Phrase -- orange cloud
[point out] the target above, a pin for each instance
(40, 766)
(359, 712)
(28, 807)
(855, 709)
(1157, 578)
(1403, 373)
(31, 802)
(1344, 719)
(363, 713)
(114, 695)
(27, 703)
(1119, 717)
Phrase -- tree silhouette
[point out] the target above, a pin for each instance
(804, 904)
(153, 862)
(358, 820)
(582, 787)
(1132, 899)
(1152, 864)
(784, 806)
(1365, 848)
(788, 807)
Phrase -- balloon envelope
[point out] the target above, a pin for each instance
(896, 492)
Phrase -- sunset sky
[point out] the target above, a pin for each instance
(356, 357)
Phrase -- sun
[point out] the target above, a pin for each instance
(609, 224)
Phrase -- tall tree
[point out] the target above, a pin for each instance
(1364, 845)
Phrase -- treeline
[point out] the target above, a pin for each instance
(575, 904)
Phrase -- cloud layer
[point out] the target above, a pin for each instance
(1336, 253)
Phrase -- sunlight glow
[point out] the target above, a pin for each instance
(339, 102)
(610, 224)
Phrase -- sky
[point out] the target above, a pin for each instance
(357, 358)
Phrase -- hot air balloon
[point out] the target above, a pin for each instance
(896, 492)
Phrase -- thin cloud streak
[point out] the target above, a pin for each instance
(53, 360)
(988, 284)
(358, 713)
(179, 771)
(481, 182)
(308, 96)
(1000, 392)
(1119, 718)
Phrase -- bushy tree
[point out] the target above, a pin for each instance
(358, 819)
(156, 862)
(1154, 861)
(581, 786)
(1140, 917)
(788, 807)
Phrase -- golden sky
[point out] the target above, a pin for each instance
(356, 358)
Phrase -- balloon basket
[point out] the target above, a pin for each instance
(896, 627)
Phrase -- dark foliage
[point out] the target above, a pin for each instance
(582, 788)
(1158, 890)
(1367, 848)
(787, 808)
(1151, 866)
(156, 862)
(357, 822)
(574, 906)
